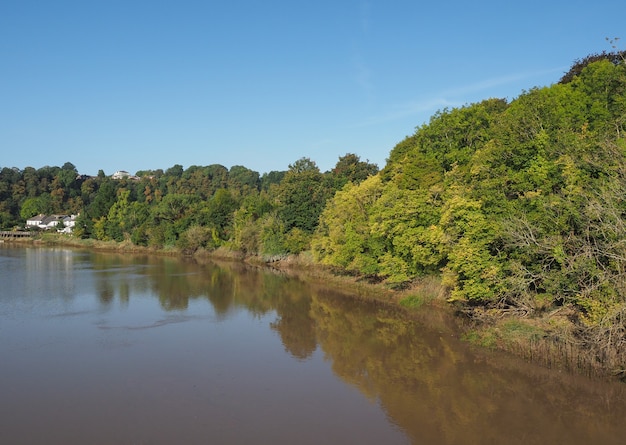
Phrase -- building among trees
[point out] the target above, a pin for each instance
(47, 222)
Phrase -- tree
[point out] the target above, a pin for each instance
(125, 216)
(104, 195)
(271, 178)
(245, 222)
(345, 237)
(68, 166)
(272, 236)
(196, 237)
(302, 196)
(579, 65)
(176, 171)
(408, 221)
(303, 165)
(350, 168)
(218, 212)
(473, 269)
(31, 207)
(242, 179)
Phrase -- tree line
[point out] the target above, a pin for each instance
(201, 207)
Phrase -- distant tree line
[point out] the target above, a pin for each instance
(201, 207)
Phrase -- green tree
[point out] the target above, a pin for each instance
(124, 217)
(473, 268)
(242, 180)
(105, 194)
(197, 237)
(246, 229)
(218, 213)
(302, 196)
(272, 236)
(272, 178)
(31, 207)
(407, 220)
(350, 168)
(345, 237)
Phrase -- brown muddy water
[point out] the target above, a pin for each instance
(118, 349)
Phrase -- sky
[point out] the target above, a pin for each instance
(147, 84)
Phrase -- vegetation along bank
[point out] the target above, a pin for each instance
(518, 208)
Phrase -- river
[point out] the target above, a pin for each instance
(102, 348)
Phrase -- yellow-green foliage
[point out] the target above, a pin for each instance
(344, 237)
(519, 205)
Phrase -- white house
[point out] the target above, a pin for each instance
(46, 222)
(120, 174)
(69, 222)
(124, 174)
(35, 221)
(51, 222)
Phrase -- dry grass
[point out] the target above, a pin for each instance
(553, 341)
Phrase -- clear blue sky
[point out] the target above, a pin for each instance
(146, 84)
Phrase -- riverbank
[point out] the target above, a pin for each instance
(553, 339)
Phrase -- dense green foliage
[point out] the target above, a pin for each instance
(520, 205)
(188, 209)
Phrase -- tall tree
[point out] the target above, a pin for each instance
(302, 196)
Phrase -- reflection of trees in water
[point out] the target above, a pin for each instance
(105, 291)
(116, 275)
(294, 323)
(173, 281)
(428, 383)
(438, 391)
(176, 281)
(261, 292)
